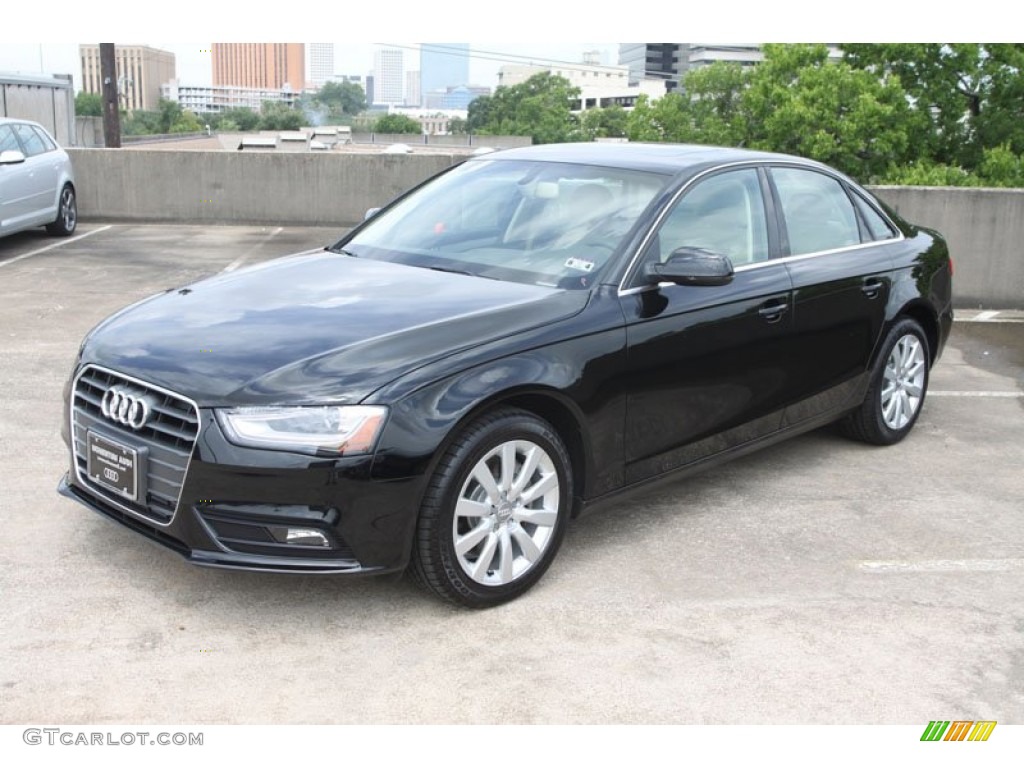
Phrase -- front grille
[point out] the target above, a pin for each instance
(168, 437)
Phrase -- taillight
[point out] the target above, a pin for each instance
(950, 266)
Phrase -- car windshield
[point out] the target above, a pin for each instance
(541, 223)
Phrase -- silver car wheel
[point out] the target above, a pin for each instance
(68, 209)
(506, 513)
(903, 382)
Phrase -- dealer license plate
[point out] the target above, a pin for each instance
(112, 465)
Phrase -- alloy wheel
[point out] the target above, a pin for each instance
(506, 513)
(903, 378)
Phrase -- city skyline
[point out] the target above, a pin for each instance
(194, 63)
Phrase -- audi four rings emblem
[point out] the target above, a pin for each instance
(126, 407)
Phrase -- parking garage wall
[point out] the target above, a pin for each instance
(985, 232)
(321, 189)
(984, 227)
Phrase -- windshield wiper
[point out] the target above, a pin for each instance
(342, 251)
(454, 271)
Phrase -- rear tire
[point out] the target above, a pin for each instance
(67, 214)
(495, 511)
(897, 390)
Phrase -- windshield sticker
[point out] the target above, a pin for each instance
(581, 264)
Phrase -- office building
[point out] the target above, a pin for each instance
(141, 71)
(705, 54)
(321, 63)
(388, 76)
(412, 89)
(664, 61)
(600, 86)
(459, 97)
(218, 98)
(270, 66)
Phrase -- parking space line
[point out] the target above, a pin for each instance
(964, 393)
(991, 316)
(50, 247)
(241, 259)
(941, 566)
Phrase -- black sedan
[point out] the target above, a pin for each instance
(520, 339)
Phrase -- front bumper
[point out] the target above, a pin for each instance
(235, 502)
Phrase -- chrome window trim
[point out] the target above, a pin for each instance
(767, 164)
(74, 455)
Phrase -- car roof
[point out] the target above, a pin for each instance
(8, 120)
(663, 158)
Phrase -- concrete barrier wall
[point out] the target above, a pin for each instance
(984, 227)
(321, 189)
(985, 232)
(450, 140)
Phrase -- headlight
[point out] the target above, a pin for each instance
(341, 430)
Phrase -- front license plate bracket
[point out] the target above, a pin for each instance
(115, 466)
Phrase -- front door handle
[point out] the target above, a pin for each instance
(872, 287)
(772, 313)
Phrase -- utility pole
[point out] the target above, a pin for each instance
(111, 115)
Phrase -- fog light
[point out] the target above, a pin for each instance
(304, 537)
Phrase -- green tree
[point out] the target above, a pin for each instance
(187, 122)
(715, 104)
(88, 104)
(275, 116)
(539, 108)
(342, 98)
(457, 125)
(664, 119)
(799, 102)
(140, 123)
(170, 113)
(609, 122)
(479, 114)
(966, 96)
(243, 118)
(397, 124)
(1000, 167)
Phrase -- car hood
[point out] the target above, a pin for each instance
(318, 327)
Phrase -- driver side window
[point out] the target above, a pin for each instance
(724, 213)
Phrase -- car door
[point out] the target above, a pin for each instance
(708, 366)
(42, 174)
(841, 281)
(15, 194)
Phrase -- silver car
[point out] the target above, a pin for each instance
(37, 184)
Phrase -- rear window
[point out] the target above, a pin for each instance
(819, 215)
(877, 227)
(44, 137)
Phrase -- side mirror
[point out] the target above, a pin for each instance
(691, 266)
(11, 156)
(370, 213)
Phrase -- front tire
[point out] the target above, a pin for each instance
(897, 389)
(495, 512)
(67, 214)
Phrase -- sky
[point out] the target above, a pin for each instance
(350, 58)
(531, 28)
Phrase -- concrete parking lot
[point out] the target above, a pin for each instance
(819, 581)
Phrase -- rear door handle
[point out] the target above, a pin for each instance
(872, 287)
(773, 312)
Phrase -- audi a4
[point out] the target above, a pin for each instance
(522, 338)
